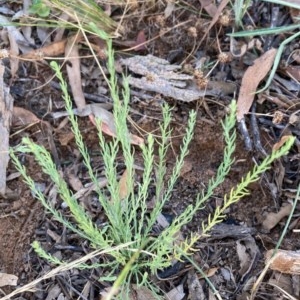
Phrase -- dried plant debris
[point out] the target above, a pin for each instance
(6, 106)
(284, 261)
(8, 279)
(159, 76)
(251, 80)
(223, 230)
(272, 219)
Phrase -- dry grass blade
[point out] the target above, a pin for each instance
(287, 295)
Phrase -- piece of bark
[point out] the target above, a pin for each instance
(284, 261)
(222, 230)
(159, 76)
(6, 106)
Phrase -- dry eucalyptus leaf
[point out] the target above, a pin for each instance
(272, 219)
(239, 48)
(23, 117)
(247, 251)
(59, 33)
(293, 72)
(282, 141)
(14, 53)
(123, 185)
(244, 257)
(51, 50)
(215, 17)
(74, 181)
(251, 80)
(65, 138)
(73, 70)
(96, 110)
(209, 7)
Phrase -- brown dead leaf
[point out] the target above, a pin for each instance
(60, 31)
(295, 13)
(251, 80)
(284, 261)
(215, 17)
(74, 181)
(8, 279)
(136, 140)
(108, 123)
(247, 251)
(294, 118)
(97, 110)
(65, 138)
(51, 50)
(169, 9)
(244, 257)
(140, 41)
(73, 70)
(186, 168)
(272, 219)
(141, 293)
(23, 117)
(209, 7)
(239, 48)
(14, 52)
(211, 272)
(293, 72)
(282, 141)
(296, 56)
(177, 293)
(57, 48)
(123, 190)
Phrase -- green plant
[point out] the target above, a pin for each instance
(240, 7)
(39, 8)
(49, 12)
(128, 219)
